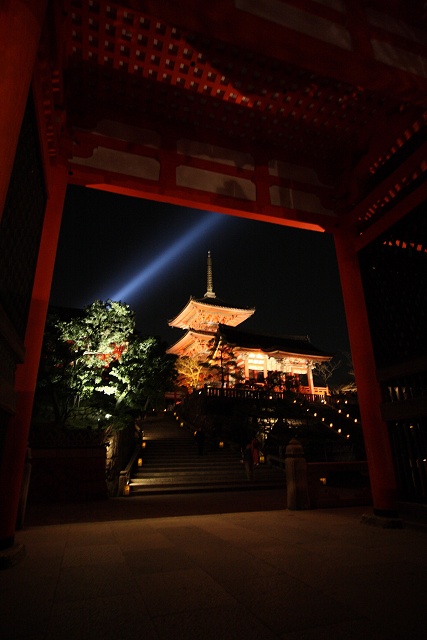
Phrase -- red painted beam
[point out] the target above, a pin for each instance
(358, 66)
(398, 212)
(388, 189)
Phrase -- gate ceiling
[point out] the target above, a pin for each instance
(304, 112)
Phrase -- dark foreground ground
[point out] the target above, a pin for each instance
(212, 566)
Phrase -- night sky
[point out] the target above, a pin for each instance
(290, 276)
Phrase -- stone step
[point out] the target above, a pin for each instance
(150, 469)
(205, 487)
(171, 465)
(206, 475)
(190, 454)
(187, 473)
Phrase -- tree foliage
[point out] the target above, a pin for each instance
(325, 370)
(97, 361)
(192, 371)
(143, 375)
(223, 365)
(98, 338)
(281, 381)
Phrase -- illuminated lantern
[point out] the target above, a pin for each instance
(139, 462)
(261, 458)
(221, 445)
(144, 445)
(126, 490)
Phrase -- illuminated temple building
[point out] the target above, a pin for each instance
(209, 319)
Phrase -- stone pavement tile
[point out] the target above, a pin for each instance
(34, 568)
(185, 590)
(90, 533)
(144, 539)
(121, 617)
(286, 604)
(298, 563)
(407, 546)
(145, 561)
(44, 536)
(26, 610)
(92, 554)
(238, 535)
(187, 535)
(284, 530)
(341, 553)
(392, 594)
(32, 636)
(228, 563)
(361, 629)
(227, 622)
(119, 528)
(91, 581)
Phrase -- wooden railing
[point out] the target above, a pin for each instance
(253, 394)
(318, 391)
(262, 394)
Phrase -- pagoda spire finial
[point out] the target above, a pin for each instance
(209, 293)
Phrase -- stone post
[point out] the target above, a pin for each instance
(296, 477)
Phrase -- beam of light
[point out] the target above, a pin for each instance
(146, 276)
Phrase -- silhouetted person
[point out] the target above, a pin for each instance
(255, 450)
(248, 460)
(200, 439)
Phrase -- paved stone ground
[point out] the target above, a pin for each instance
(164, 569)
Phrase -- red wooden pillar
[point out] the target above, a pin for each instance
(12, 465)
(20, 28)
(378, 450)
(310, 379)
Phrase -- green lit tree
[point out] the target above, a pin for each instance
(98, 338)
(95, 365)
(142, 376)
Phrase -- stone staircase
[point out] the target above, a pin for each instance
(171, 464)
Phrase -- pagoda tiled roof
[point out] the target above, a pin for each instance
(217, 302)
(300, 345)
(211, 302)
(202, 335)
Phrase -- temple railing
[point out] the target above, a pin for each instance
(259, 394)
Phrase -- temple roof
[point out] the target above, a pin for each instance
(189, 338)
(220, 303)
(298, 345)
(189, 316)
